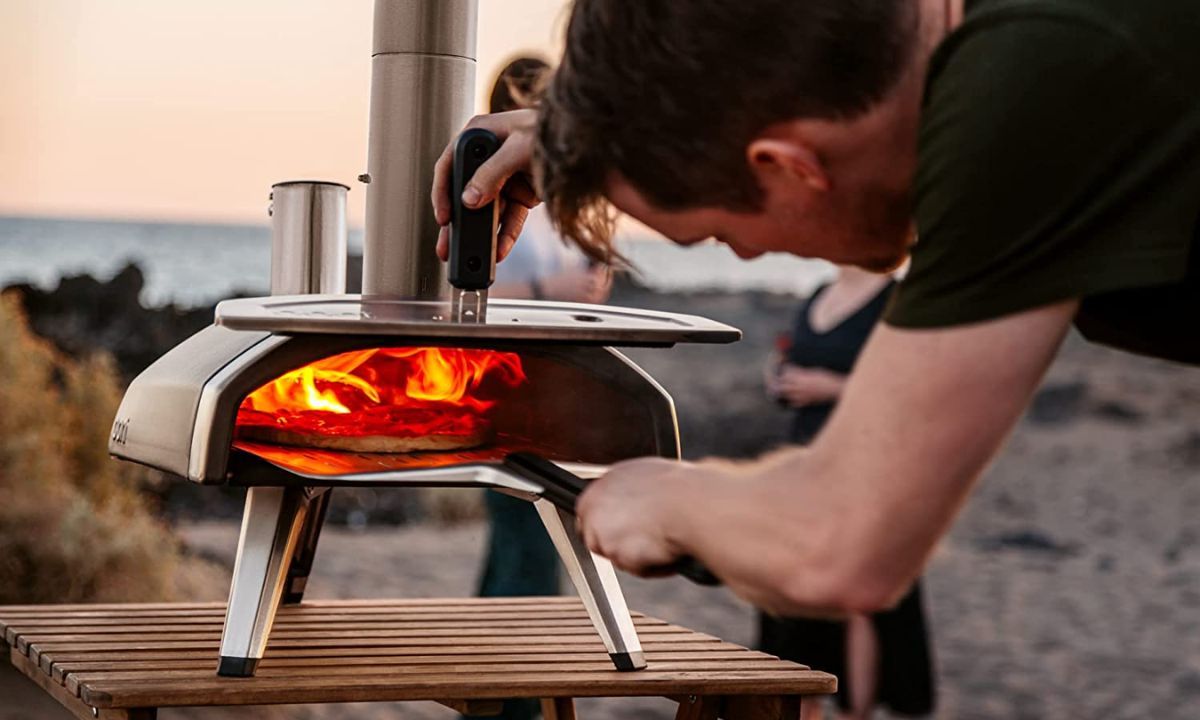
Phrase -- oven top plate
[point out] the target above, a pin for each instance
(519, 320)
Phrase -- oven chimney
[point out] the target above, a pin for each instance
(422, 89)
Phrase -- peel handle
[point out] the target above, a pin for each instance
(472, 263)
(563, 489)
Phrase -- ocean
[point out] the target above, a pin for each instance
(190, 264)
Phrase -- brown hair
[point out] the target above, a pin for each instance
(519, 84)
(668, 94)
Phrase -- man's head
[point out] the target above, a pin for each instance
(769, 124)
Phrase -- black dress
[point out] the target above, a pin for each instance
(905, 675)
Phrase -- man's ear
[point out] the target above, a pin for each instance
(774, 155)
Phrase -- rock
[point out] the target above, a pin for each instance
(1188, 684)
(1117, 411)
(1058, 404)
(1031, 541)
(1187, 450)
(83, 315)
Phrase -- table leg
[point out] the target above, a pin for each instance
(74, 705)
(699, 707)
(763, 707)
(558, 709)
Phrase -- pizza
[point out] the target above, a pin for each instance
(377, 430)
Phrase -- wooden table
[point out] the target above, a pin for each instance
(126, 661)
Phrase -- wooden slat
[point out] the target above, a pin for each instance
(49, 662)
(483, 672)
(389, 688)
(347, 640)
(152, 624)
(62, 669)
(663, 650)
(499, 629)
(467, 654)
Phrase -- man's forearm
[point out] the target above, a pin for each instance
(848, 524)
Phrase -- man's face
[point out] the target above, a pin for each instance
(846, 225)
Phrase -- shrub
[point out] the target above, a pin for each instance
(73, 524)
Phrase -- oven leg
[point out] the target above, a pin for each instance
(596, 582)
(271, 528)
(306, 546)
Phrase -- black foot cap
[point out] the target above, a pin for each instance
(237, 667)
(627, 662)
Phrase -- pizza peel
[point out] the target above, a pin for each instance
(563, 488)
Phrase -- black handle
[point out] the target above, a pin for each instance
(563, 488)
(472, 231)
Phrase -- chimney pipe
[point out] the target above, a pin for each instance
(422, 89)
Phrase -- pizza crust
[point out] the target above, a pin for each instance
(367, 443)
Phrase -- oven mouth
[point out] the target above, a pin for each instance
(384, 409)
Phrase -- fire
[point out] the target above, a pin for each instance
(405, 392)
(306, 379)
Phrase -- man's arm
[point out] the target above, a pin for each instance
(847, 524)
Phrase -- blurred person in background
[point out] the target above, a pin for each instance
(543, 266)
(521, 559)
(882, 658)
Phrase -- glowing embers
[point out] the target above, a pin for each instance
(383, 400)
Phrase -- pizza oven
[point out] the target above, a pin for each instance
(310, 389)
(199, 411)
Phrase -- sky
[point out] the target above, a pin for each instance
(188, 110)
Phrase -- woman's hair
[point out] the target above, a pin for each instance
(519, 85)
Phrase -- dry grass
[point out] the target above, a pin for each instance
(73, 524)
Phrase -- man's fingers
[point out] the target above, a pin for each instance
(440, 195)
(511, 222)
(518, 190)
(443, 243)
(489, 178)
(642, 557)
(500, 123)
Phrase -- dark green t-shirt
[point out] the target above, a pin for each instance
(1060, 158)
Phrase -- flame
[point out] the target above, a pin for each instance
(408, 392)
(305, 380)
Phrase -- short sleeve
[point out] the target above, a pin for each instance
(1055, 162)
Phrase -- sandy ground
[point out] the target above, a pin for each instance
(1069, 587)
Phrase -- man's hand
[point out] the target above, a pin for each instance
(627, 515)
(506, 177)
(802, 386)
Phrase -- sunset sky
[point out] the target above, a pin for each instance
(190, 109)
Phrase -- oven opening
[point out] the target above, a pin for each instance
(386, 407)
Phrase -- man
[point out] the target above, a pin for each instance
(1049, 152)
